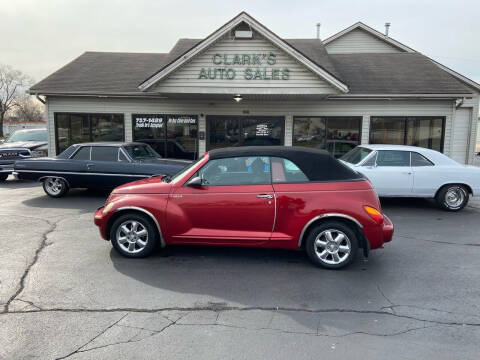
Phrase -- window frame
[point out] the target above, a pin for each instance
(327, 118)
(89, 116)
(72, 156)
(288, 182)
(195, 174)
(165, 129)
(240, 119)
(431, 163)
(103, 146)
(405, 120)
(403, 151)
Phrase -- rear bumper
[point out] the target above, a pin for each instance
(101, 221)
(387, 229)
(379, 234)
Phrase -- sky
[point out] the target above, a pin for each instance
(40, 36)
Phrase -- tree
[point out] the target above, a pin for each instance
(28, 109)
(13, 84)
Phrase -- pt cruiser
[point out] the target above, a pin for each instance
(271, 197)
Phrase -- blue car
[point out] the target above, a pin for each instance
(96, 165)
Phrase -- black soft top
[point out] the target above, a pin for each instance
(317, 165)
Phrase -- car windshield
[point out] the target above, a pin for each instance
(141, 152)
(28, 135)
(356, 155)
(182, 172)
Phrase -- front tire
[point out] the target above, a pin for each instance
(55, 187)
(453, 197)
(332, 245)
(3, 177)
(134, 235)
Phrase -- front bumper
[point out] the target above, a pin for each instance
(100, 219)
(6, 168)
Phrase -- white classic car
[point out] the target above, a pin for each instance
(410, 171)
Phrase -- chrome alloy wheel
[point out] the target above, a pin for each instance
(332, 246)
(132, 236)
(455, 196)
(54, 186)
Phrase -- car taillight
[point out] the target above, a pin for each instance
(376, 215)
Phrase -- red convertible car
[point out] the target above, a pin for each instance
(272, 197)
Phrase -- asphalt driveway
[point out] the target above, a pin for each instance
(64, 293)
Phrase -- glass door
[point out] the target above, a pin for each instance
(224, 131)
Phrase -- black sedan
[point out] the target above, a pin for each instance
(96, 165)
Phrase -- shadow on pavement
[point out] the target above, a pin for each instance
(417, 203)
(252, 276)
(13, 183)
(79, 199)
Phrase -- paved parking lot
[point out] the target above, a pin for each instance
(66, 294)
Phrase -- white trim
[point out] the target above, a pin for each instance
(389, 96)
(244, 17)
(78, 173)
(378, 34)
(455, 74)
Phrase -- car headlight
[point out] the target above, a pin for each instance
(39, 153)
(108, 207)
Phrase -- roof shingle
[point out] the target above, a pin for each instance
(121, 73)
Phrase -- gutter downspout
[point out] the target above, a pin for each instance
(40, 99)
(460, 103)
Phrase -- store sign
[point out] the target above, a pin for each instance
(180, 119)
(146, 122)
(262, 130)
(158, 121)
(254, 66)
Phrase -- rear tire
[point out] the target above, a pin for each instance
(134, 235)
(3, 177)
(55, 187)
(453, 197)
(332, 245)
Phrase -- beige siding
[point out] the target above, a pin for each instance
(359, 41)
(460, 136)
(364, 108)
(365, 129)
(186, 79)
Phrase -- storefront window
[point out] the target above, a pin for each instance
(413, 130)
(224, 131)
(79, 128)
(336, 134)
(172, 136)
(107, 127)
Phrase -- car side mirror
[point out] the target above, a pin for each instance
(196, 181)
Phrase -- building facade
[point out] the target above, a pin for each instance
(243, 85)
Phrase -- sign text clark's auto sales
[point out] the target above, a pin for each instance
(256, 67)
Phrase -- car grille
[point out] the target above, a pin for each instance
(14, 154)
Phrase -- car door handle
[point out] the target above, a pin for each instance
(90, 166)
(265, 196)
(407, 172)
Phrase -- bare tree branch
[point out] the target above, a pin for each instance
(13, 84)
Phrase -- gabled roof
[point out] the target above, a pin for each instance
(101, 73)
(398, 73)
(372, 31)
(399, 45)
(243, 17)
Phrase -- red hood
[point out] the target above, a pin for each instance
(153, 185)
